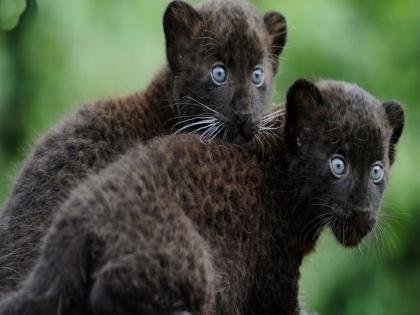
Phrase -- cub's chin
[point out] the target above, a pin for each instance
(350, 233)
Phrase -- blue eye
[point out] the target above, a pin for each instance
(257, 77)
(377, 172)
(218, 74)
(338, 166)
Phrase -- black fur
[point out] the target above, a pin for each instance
(183, 93)
(216, 229)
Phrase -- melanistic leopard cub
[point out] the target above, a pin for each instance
(180, 226)
(222, 59)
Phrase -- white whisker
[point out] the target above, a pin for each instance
(190, 119)
(205, 106)
(208, 121)
(218, 130)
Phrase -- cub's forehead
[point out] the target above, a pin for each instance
(353, 114)
(226, 8)
(235, 29)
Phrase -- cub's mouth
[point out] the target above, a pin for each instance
(239, 134)
(350, 231)
(212, 127)
(243, 135)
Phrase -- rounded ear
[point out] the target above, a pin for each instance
(180, 22)
(395, 114)
(277, 30)
(304, 100)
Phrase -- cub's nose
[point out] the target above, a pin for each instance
(363, 220)
(242, 119)
(363, 212)
(360, 214)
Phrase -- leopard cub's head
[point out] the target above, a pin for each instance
(343, 144)
(224, 56)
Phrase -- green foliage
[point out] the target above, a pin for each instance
(10, 11)
(77, 51)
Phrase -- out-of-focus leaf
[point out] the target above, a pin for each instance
(10, 12)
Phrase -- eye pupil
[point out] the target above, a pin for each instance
(338, 166)
(377, 173)
(218, 74)
(257, 77)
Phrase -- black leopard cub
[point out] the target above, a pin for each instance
(178, 226)
(222, 59)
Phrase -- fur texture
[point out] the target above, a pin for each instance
(181, 226)
(182, 97)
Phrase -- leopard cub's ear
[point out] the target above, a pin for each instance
(180, 22)
(395, 115)
(304, 101)
(276, 26)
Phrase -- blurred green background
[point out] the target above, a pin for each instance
(77, 51)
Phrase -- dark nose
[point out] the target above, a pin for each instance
(362, 213)
(242, 118)
(363, 220)
(361, 209)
